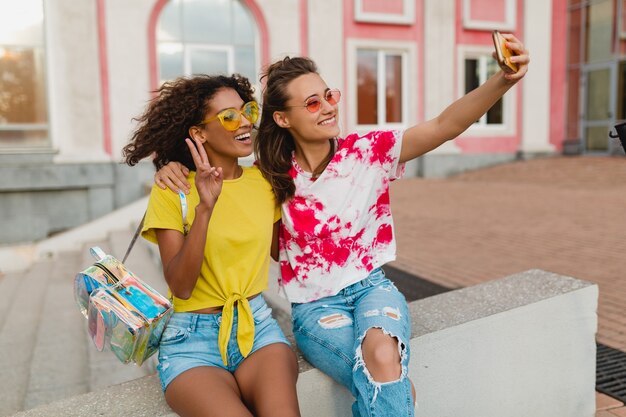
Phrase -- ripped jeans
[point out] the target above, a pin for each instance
(329, 333)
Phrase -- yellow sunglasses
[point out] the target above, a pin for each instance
(231, 118)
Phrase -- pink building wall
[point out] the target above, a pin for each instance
(489, 144)
(558, 71)
(352, 29)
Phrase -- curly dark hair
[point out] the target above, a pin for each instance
(274, 145)
(178, 105)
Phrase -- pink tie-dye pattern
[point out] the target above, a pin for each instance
(380, 152)
(384, 235)
(381, 208)
(303, 213)
(347, 149)
(316, 243)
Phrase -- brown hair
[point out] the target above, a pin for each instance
(178, 105)
(274, 145)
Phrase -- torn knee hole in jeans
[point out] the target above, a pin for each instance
(359, 362)
(334, 321)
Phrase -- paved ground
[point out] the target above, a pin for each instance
(561, 214)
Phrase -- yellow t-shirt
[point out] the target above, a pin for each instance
(237, 249)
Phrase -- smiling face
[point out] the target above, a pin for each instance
(219, 142)
(306, 126)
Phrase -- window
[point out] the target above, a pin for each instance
(206, 36)
(23, 99)
(385, 11)
(489, 14)
(477, 71)
(380, 87)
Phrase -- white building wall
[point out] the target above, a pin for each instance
(283, 23)
(325, 35)
(440, 65)
(73, 77)
(536, 84)
(128, 66)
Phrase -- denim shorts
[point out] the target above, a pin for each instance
(329, 332)
(190, 340)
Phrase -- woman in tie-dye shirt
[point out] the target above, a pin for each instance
(337, 230)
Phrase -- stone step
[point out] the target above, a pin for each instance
(9, 283)
(18, 335)
(59, 362)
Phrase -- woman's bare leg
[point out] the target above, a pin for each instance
(380, 353)
(267, 380)
(206, 391)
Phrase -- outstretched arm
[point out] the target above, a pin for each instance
(460, 115)
(182, 256)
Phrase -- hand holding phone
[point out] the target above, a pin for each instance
(503, 54)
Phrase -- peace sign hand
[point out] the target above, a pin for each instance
(208, 179)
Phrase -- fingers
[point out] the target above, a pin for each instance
(515, 45)
(200, 157)
(158, 181)
(173, 176)
(184, 169)
(521, 57)
(175, 184)
(197, 152)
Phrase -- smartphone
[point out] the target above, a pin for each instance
(503, 54)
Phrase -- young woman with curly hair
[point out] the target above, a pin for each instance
(222, 353)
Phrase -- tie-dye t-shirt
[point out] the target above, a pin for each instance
(338, 227)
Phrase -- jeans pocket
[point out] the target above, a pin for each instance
(173, 335)
(376, 277)
(262, 314)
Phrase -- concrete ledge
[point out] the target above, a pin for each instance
(42, 199)
(20, 257)
(516, 347)
(127, 217)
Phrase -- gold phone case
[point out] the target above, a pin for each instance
(503, 54)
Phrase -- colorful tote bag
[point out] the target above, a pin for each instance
(123, 312)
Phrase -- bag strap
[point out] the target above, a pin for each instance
(134, 239)
(183, 204)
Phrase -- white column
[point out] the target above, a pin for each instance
(325, 23)
(75, 101)
(439, 64)
(283, 23)
(536, 84)
(129, 69)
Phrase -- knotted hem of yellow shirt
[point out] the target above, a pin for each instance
(245, 326)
